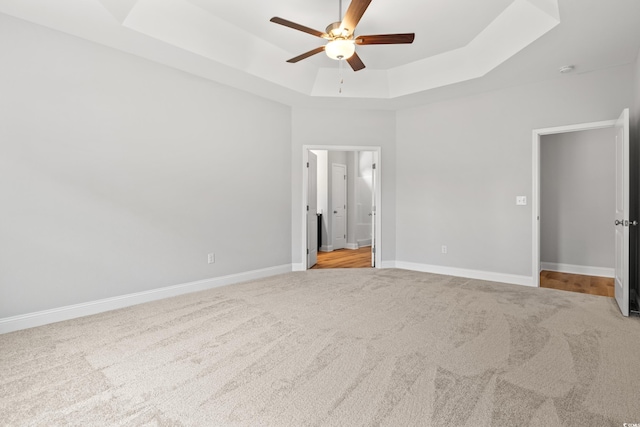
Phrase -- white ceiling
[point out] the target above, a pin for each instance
(461, 46)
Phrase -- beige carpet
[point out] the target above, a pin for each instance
(333, 348)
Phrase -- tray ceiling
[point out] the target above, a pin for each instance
(457, 41)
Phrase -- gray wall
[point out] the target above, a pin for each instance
(577, 192)
(461, 163)
(119, 175)
(363, 181)
(323, 192)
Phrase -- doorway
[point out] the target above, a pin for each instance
(619, 144)
(577, 196)
(349, 226)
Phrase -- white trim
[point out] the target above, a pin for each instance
(30, 320)
(364, 242)
(352, 246)
(327, 248)
(535, 193)
(378, 197)
(388, 264)
(298, 266)
(578, 269)
(463, 272)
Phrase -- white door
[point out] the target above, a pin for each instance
(622, 213)
(339, 205)
(312, 210)
(373, 214)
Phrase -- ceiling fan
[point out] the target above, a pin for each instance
(342, 40)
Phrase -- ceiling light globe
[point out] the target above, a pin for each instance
(340, 49)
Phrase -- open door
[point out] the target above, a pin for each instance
(373, 214)
(339, 205)
(622, 213)
(312, 211)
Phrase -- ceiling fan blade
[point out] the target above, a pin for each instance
(355, 62)
(298, 27)
(306, 55)
(354, 13)
(386, 39)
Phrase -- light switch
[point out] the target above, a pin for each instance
(521, 200)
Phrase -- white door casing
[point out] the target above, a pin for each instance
(373, 213)
(339, 205)
(312, 210)
(306, 150)
(537, 134)
(622, 213)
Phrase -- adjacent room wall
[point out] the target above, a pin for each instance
(323, 192)
(364, 197)
(577, 206)
(119, 175)
(342, 127)
(461, 163)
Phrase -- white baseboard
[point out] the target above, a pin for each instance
(352, 246)
(578, 269)
(388, 264)
(364, 242)
(326, 248)
(463, 272)
(30, 320)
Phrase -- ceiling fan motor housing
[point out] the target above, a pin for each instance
(335, 32)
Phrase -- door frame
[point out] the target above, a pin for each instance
(377, 158)
(535, 204)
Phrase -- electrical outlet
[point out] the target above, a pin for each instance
(211, 258)
(444, 249)
(521, 200)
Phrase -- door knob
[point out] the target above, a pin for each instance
(619, 222)
(335, 211)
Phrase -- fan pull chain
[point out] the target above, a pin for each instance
(341, 61)
(340, 75)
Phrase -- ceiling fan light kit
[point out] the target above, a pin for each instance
(342, 42)
(340, 49)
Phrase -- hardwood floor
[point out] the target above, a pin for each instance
(345, 258)
(361, 258)
(592, 285)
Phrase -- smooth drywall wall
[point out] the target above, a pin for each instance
(323, 195)
(577, 198)
(461, 164)
(119, 175)
(322, 189)
(346, 128)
